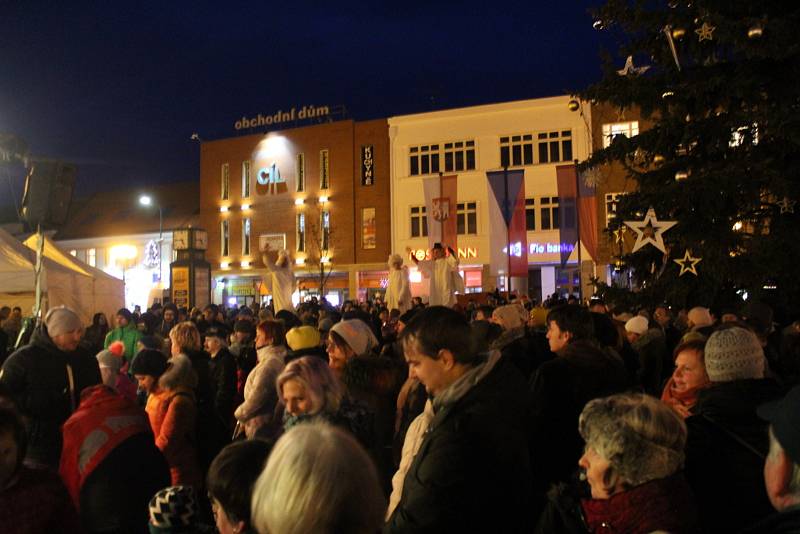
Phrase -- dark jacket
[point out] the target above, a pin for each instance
(212, 434)
(560, 389)
(471, 471)
(651, 348)
(222, 372)
(785, 522)
(516, 346)
(725, 449)
(37, 377)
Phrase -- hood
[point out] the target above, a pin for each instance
(466, 382)
(179, 374)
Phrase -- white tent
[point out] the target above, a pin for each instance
(65, 280)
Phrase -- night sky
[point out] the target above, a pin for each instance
(118, 87)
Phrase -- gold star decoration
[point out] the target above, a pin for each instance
(649, 231)
(629, 69)
(787, 205)
(619, 234)
(688, 263)
(704, 32)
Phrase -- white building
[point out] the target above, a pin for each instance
(534, 135)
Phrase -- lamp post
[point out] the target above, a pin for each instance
(147, 200)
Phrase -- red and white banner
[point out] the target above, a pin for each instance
(441, 200)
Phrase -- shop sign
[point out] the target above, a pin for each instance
(367, 165)
(180, 286)
(463, 253)
(280, 116)
(550, 248)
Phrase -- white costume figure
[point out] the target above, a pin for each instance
(280, 280)
(443, 274)
(398, 291)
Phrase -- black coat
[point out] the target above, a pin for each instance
(471, 471)
(560, 389)
(37, 377)
(725, 451)
(222, 372)
(785, 522)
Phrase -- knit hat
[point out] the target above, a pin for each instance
(510, 315)
(111, 358)
(149, 362)
(302, 337)
(538, 317)
(357, 335)
(637, 325)
(700, 317)
(733, 354)
(325, 324)
(784, 415)
(173, 509)
(61, 320)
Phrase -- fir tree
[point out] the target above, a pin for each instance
(723, 155)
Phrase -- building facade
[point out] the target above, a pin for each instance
(321, 192)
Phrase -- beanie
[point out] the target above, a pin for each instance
(700, 317)
(325, 324)
(173, 509)
(357, 335)
(149, 362)
(111, 358)
(538, 317)
(509, 315)
(733, 354)
(302, 337)
(61, 320)
(637, 325)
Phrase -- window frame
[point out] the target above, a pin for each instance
(300, 172)
(324, 169)
(225, 182)
(421, 214)
(246, 182)
(225, 238)
(247, 235)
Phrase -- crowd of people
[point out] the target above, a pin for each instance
(498, 414)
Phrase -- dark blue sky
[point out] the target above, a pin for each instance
(118, 87)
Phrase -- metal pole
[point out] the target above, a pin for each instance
(578, 229)
(37, 308)
(160, 244)
(506, 216)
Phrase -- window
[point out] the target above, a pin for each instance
(419, 221)
(301, 232)
(516, 150)
(91, 257)
(611, 206)
(610, 131)
(324, 169)
(246, 179)
(467, 218)
(530, 214)
(550, 147)
(226, 182)
(300, 172)
(554, 146)
(246, 236)
(225, 237)
(549, 213)
(325, 224)
(423, 160)
(459, 156)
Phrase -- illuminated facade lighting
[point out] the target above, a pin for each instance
(223, 209)
(245, 264)
(224, 265)
(323, 199)
(299, 202)
(245, 207)
(300, 261)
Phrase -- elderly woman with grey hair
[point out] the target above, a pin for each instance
(633, 464)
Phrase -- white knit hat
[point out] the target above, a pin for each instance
(700, 317)
(357, 334)
(637, 325)
(734, 354)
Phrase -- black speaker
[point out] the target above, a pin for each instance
(48, 193)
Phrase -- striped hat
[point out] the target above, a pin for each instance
(173, 509)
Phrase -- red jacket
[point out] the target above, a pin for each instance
(173, 416)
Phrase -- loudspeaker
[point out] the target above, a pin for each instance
(48, 193)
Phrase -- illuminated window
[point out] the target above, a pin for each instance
(300, 172)
(549, 213)
(225, 237)
(423, 160)
(610, 131)
(91, 257)
(225, 187)
(459, 156)
(246, 179)
(324, 169)
(530, 214)
(301, 232)
(246, 236)
(419, 221)
(325, 224)
(467, 218)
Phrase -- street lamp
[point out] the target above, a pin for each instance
(147, 200)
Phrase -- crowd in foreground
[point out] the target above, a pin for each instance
(498, 417)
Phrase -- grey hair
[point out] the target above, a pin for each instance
(775, 448)
(640, 436)
(318, 480)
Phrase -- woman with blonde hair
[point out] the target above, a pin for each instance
(309, 391)
(317, 467)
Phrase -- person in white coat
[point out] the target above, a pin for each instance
(280, 279)
(398, 291)
(442, 271)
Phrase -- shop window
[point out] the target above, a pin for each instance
(225, 186)
(610, 131)
(246, 179)
(549, 213)
(246, 237)
(225, 238)
(419, 221)
(324, 169)
(530, 214)
(423, 159)
(467, 218)
(301, 232)
(300, 172)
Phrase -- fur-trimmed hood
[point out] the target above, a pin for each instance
(179, 374)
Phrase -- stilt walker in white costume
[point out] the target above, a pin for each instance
(279, 278)
(398, 291)
(443, 273)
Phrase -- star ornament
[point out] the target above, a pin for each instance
(787, 205)
(630, 70)
(619, 234)
(704, 32)
(688, 263)
(650, 231)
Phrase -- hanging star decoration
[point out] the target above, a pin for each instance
(688, 263)
(630, 70)
(619, 234)
(704, 32)
(787, 205)
(650, 231)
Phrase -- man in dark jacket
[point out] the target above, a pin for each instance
(560, 388)
(46, 378)
(222, 371)
(470, 473)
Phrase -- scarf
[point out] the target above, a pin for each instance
(681, 402)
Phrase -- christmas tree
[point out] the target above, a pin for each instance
(720, 80)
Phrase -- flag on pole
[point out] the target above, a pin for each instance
(441, 197)
(577, 207)
(508, 189)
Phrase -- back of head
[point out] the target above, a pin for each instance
(574, 319)
(302, 337)
(173, 509)
(233, 474)
(356, 334)
(734, 353)
(509, 316)
(605, 331)
(700, 317)
(318, 479)
(186, 336)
